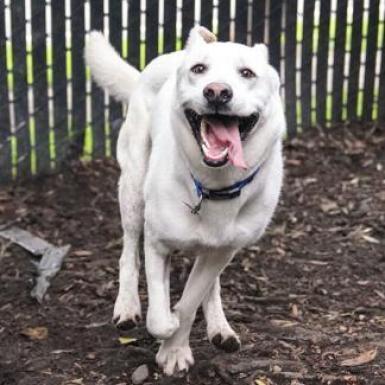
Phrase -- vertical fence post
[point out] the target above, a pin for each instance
(169, 26)
(188, 8)
(152, 24)
(224, 20)
(5, 124)
(40, 91)
(258, 24)
(339, 60)
(97, 97)
(78, 77)
(134, 32)
(322, 61)
(275, 29)
(115, 118)
(306, 63)
(241, 11)
(20, 88)
(381, 91)
(290, 66)
(355, 59)
(207, 14)
(370, 64)
(59, 80)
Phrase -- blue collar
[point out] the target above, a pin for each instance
(225, 193)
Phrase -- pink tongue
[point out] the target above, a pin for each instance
(228, 136)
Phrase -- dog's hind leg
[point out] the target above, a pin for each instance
(127, 309)
(219, 331)
(133, 152)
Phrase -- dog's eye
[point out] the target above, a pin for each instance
(247, 73)
(198, 68)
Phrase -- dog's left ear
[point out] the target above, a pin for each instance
(200, 35)
(262, 52)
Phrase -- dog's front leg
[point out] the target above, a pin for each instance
(219, 331)
(161, 322)
(175, 353)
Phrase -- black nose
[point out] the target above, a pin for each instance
(218, 93)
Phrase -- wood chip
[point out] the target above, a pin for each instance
(37, 333)
(361, 359)
(140, 374)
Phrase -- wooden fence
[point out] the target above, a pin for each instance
(330, 54)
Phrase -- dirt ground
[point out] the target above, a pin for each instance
(308, 300)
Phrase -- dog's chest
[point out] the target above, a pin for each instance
(218, 224)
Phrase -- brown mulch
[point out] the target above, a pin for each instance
(308, 300)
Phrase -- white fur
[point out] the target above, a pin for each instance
(108, 69)
(157, 153)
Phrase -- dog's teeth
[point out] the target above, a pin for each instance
(224, 152)
(203, 134)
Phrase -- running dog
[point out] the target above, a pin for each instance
(200, 153)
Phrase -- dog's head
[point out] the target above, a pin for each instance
(222, 91)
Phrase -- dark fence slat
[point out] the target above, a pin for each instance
(20, 88)
(275, 28)
(355, 58)
(59, 79)
(152, 24)
(339, 60)
(381, 93)
(322, 61)
(224, 20)
(134, 32)
(5, 127)
(207, 14)
(188, 7)
(78, 77)
(258, 24)
(169, 25)
(241, 12)
(371, 52)
(290, 66)
(307, 56)
(98, 125)
(40, 86)
(115, 16)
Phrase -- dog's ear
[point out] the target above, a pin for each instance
(262, 51)
(200, 35)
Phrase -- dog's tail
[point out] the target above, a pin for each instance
(108, 69)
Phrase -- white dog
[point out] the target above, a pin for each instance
(201, 160)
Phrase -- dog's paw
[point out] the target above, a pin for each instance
(127, 312)
(225, 339)
(174, 358)
(162, 326)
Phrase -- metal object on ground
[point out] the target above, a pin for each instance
(51, 257)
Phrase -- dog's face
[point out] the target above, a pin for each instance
(222, 90)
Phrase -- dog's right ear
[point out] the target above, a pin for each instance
(199, 36)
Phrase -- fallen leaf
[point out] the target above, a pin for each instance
(37, 333)
(361, 359)
(76, 381)
(283, 323)
(263, 381)
(81, 253)
(260, 382)
(370, 239)
(328, 205)
(127, 340)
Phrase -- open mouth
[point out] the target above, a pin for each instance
(220, 136)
